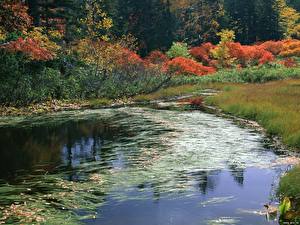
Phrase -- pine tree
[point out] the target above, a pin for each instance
(200, 21)
(267, 20)
(150, 21)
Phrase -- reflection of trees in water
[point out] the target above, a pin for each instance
(25, 148)
(208, 180)
(237, 173)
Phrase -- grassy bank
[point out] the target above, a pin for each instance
(274, 105)
(289, 185)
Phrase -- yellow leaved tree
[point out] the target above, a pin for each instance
(97, 23)
(221, 52)
(289, 19)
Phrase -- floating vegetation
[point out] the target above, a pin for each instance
(68, 164)
(224, 221)
(253, 212)
(217, 200)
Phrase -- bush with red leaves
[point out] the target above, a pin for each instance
(275, 47)
(266, 57)
(194, 101)
(197, 102)
(181, 65)
(249, 54)
(156, 58)
(202, 53)
(128, 57)
(30, 48)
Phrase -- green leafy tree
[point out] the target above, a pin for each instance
(179, 49)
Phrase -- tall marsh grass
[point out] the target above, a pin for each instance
(275, 105)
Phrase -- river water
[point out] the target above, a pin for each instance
(134, 166)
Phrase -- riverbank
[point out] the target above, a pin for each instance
(275, 107)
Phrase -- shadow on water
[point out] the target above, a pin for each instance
(134, 166)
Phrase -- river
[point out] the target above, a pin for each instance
(134, 166)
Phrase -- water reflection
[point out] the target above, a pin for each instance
(132, 154)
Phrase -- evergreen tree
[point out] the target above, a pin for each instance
(255, 20)
(150, 21)
(243, 14)
(267, 20)
(200, 21)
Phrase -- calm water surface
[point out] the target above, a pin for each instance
(135, 166)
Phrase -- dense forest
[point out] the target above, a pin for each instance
(115, 48)
(157, 23)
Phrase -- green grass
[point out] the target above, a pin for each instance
(258, 74)
(289, 187)
(290, 184)
(274, 105)
(99, 102)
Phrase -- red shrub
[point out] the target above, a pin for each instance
(128, 57)
(266, 57)
(156, 58)
(196, 101)
(202, 53)
(249, 54)
(275, 47)
(29, 47)
(180, 65)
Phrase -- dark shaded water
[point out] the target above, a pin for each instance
(134, 166)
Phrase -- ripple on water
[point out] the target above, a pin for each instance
(115, 159)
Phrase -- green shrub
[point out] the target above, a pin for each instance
(178, 49)
(260, 74)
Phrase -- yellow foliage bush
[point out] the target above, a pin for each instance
(2, 34)
(291, 48)
(98, 53)
(39, 36)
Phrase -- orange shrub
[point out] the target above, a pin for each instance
(30, 48)
(275, 47)
(156, 58)
(291, 48)
(202, 53)
(181, 65)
